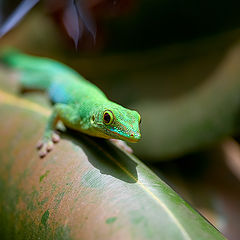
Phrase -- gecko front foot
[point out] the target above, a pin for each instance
(121, 144)
(47, 143)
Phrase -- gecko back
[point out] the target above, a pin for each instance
(63, 84)
(35, 72)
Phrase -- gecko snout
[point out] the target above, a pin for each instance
(134, 137)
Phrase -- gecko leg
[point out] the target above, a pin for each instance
(122, 145)
(50, 137)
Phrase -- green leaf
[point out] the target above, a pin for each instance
(84, 189)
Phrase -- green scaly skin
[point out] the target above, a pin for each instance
(79, 104)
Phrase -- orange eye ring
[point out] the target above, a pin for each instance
(108, 117)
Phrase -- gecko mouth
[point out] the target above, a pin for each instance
(132, 138)
(113, 134)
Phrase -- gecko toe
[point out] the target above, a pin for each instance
(122, 145)
(49, 146)
(39, 145)
(46, 145)
(128, 149)
(42, 154)
(55, 138)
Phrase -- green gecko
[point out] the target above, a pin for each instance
(79, 104)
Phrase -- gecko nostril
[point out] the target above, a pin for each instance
(131, 135)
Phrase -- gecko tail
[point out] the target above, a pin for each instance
(7, 53)
(30, 77)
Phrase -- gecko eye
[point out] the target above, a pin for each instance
(140, 120)
(108, 117)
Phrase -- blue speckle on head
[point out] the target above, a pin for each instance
(117, 130)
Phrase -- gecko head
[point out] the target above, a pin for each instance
(115, 121)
